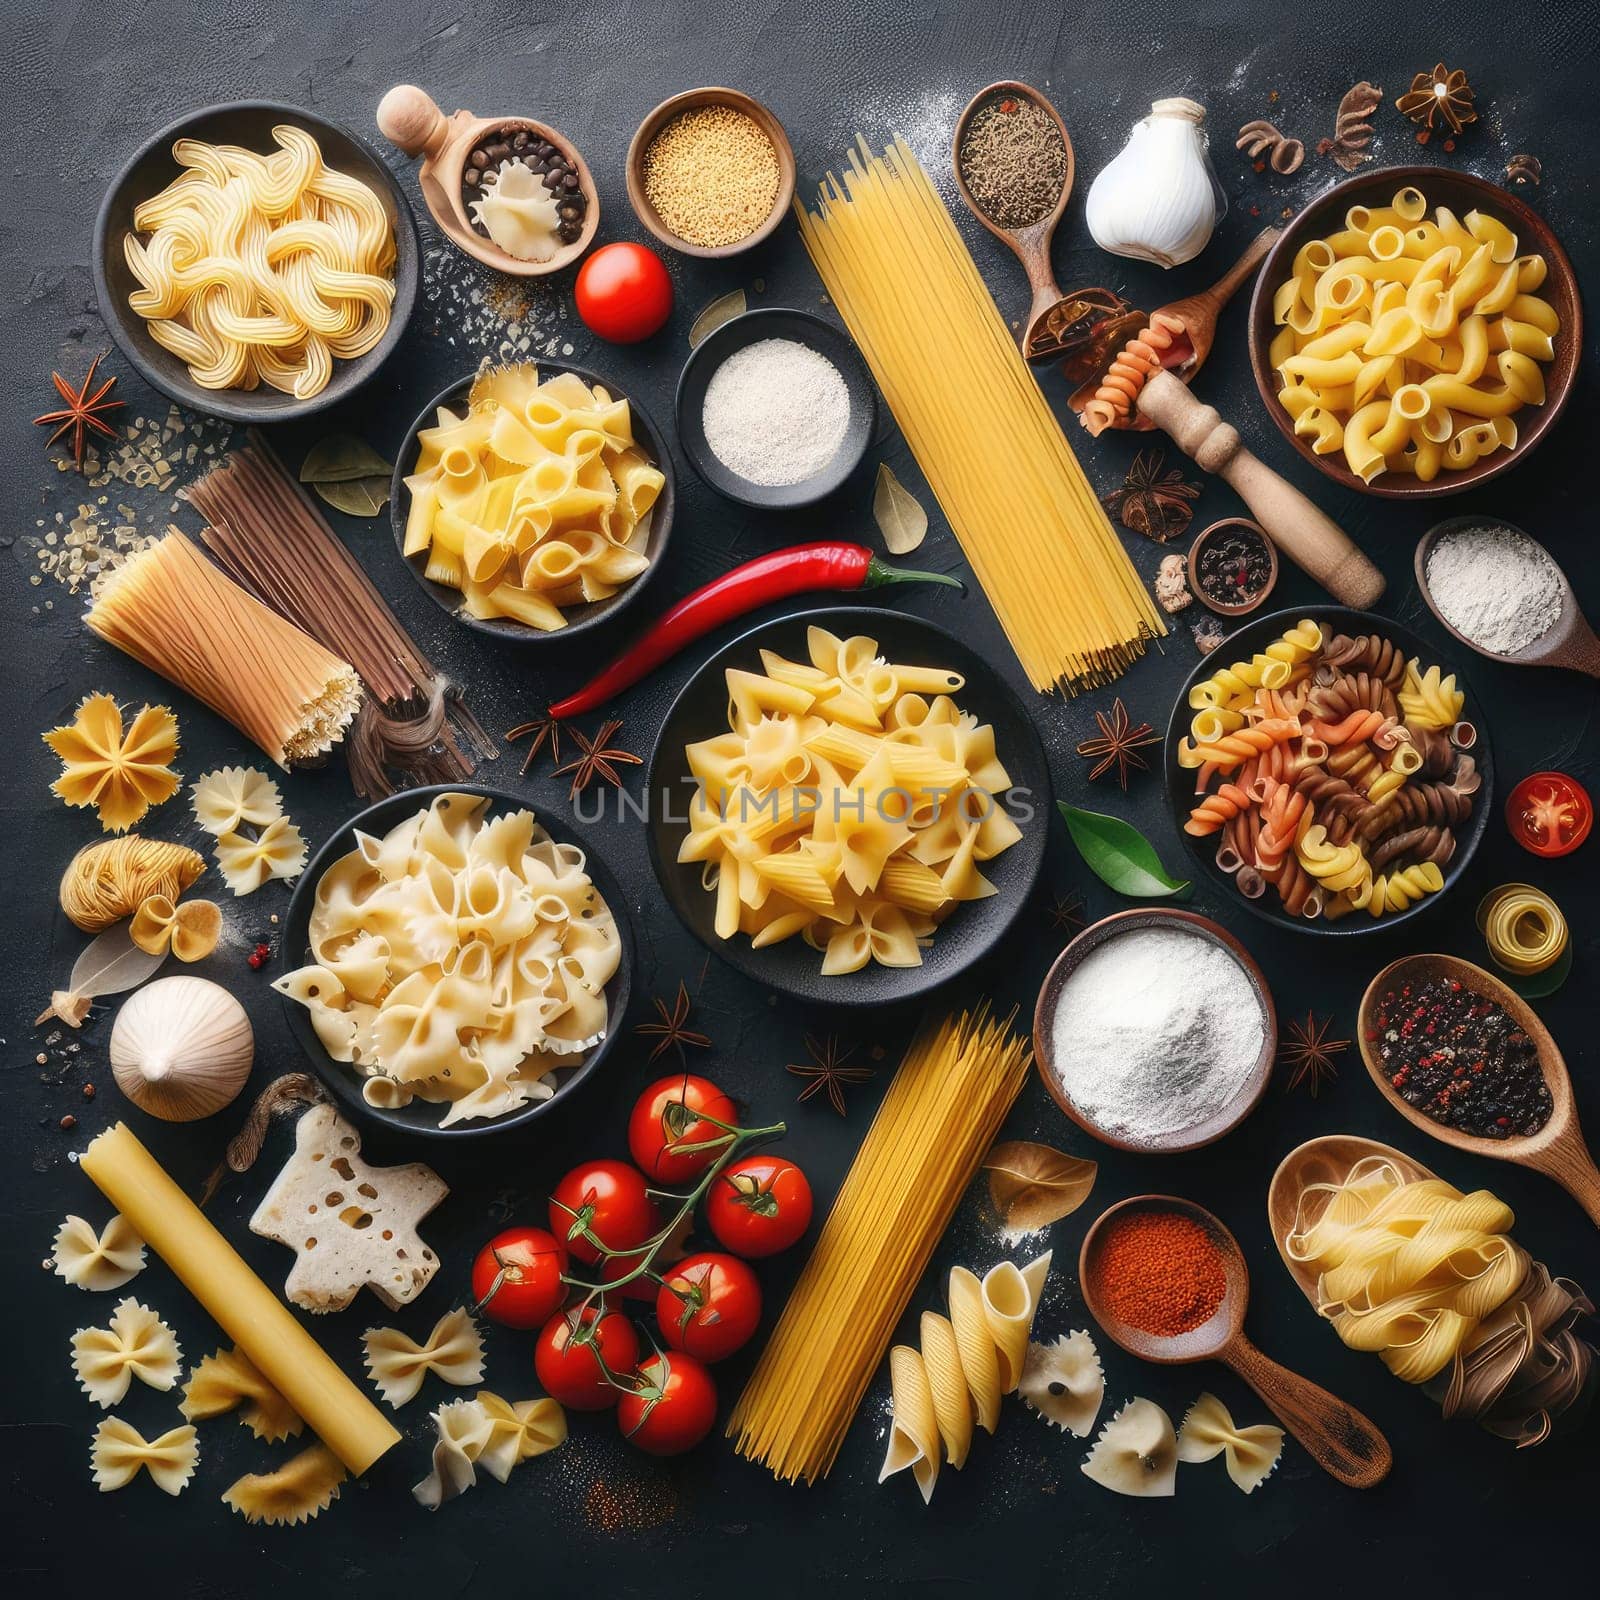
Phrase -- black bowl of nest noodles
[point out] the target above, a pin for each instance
(574, 966)
(646, 534)
(366, 321)
(967, 809)
(1429, 824)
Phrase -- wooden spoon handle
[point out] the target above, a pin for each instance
(1568, 1161)
(1224, 289)
(1580, 653)
(1336, 1436)
(409, 117)
(1306, 535)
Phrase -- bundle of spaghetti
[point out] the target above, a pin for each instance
(170, 609)
(941, 1113)
(269, 536)
(108, 881)
(1027, 518)
(1303, 773)
(1133, 366)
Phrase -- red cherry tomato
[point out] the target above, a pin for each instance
(674, 1407)
(709, 1306)
(1549, 814)
(608, 1199)
(516, 1279)
(668, 1121)
(569, 1351)
(759, 1205)
(623, 293)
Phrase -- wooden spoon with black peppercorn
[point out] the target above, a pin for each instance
(1556, 1148)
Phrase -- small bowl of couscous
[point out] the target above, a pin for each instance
(710, 172)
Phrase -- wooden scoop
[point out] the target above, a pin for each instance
(410, 118)
(1557, 1149)
(1336, 1436)
(1030, 245)
(1309, 537)
(1198, 313)
(1570, 643)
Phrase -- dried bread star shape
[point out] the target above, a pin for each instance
(351, 1225)
(120, 775)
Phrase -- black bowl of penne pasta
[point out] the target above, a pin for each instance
(1324, 763)
(270, 335)
(541, 509)
(848, 805)
(1415, 331)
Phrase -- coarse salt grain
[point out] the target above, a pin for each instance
(775, 412)
(1495, 586)
(1156, 1031)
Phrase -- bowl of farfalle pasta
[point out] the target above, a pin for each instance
(1325, 766)
(532, 501)
(1415, 331)
(848, 805)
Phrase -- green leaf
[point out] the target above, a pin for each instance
(1119, 855)
(340, 458)
(723, 309)
(356, 497)
(898, 513)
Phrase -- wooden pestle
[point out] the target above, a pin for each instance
(1309, 537)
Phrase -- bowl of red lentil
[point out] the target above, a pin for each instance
(710, 172)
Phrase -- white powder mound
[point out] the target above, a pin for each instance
(775, 412)
(1495, 586)
(1155, 1032)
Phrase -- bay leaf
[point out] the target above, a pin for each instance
(356, 497)
(1121, 856)
(898, 513)
(723, 309)
(340, 458)
(109, 964)
(1033, 1185)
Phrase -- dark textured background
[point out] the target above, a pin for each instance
(1461, 1510)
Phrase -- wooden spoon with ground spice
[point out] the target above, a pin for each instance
(1014, 167)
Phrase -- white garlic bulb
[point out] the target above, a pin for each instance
(1158, 200)
(181, 1048)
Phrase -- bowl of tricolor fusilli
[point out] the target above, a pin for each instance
(1327, 766)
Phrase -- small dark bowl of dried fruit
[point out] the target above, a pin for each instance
(1233, 566)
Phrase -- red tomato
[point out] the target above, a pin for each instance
(759, 1206)
(709, 1306)
(664, 1127)
(674, 1407)
(516, 1279)
(1549, 814)
(623, 293)
(608, 1199)
(569, 1353)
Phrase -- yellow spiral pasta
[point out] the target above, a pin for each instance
(262, 268)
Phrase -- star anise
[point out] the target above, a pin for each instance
(673, 1030)
(545, 731)
(1066, 912)
(1119, 744)
(599, 759)
(1156, 504)
(1308, 1053)
(84, 413)
(828, 1071)
(1442, 94)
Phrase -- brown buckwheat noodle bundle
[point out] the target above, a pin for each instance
(940, 1115)
(171, 609)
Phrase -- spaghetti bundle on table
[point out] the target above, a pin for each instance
(1332, 769)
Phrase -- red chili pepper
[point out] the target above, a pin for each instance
(801, 569)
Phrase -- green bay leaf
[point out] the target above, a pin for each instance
(898, 513)
(341, 458)
(356, 497)
(1121, 857)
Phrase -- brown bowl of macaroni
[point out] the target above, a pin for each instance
(1415, 331)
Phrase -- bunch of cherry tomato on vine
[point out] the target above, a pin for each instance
(610, 1236)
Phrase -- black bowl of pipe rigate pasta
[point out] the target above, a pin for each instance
(848, 805)
(1415, 331)
(341, 253)
(1327, 768)
(466, 1022)
(533, 501)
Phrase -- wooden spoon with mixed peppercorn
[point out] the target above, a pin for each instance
(1489, 1078)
